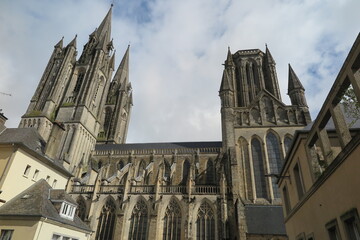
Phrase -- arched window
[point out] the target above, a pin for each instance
(287, 143)
(79, 81)
(81, 209)
(205, 223)
(106, 221)
(274, 156)
(244, 155)
(120, 165)
(259, 173)
(108, 113)
(172, 221)
(186, 171)
(210, 172)
(167, 171)
(139, 221)
(141, 169)
(249, 81)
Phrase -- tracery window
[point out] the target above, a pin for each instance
(81, 209)
(172, 221)
(79, 82)
(205, 223)
(139, 221)
(274, 156)
(210, 172)
(287, 143)
(106, 221)
(108, 113)
(259, 173)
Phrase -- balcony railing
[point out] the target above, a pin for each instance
(82, 189)
(111, 189)
(173, 189)
(205, 189)
(142, 189)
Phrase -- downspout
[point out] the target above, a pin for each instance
(37, 238)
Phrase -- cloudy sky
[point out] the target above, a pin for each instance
(177, 48)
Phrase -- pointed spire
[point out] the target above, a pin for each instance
(229, 59)
(294, 82)
(60, 43)
(225, 83)
(268, 55)
(104, 30)
(123, 69)
(73, 42)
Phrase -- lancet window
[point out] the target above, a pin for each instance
(172, 222)
(210, 172)
(186, 171)
(258, 164)
(106, 222)
(139, 221)
(274, 156)
(205, 223)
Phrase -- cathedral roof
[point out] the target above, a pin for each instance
(37, 201)
(156, 146)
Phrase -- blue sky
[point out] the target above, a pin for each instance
(177, 48)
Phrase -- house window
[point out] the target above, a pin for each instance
(333, 230)
(351, 224)
(298, 181)
(172, 222)
(205, 223)
(67, 210)
(47, 178)
(27, 170)
(139, 221)
(54, 183)
(56, 237)
(35, 176)
(286, 200)
(6, 234)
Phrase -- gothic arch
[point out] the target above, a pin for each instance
(205, 221)
(210, 172)
(185, 171)
(245, 159)
(120, 165)
(139, 220)
(106, 222)
(257, 154)
(274, 154)
(287, 142)
(172, 220)
(81, 208)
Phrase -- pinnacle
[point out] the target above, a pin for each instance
(294, 82)
(60, 43)
(268, 55)
(104, 30)
(225, 83)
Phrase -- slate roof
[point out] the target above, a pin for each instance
(30, 139)
(35, 202)
(165, 145)
(265, 219)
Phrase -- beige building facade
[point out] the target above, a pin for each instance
(320, 178)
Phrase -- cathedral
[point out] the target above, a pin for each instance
(172, 190)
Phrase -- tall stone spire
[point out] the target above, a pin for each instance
(104, 30)
(296, 89)
(269, 57)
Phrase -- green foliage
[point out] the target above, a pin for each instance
(351, 105)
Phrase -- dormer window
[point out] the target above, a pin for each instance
(67, 210)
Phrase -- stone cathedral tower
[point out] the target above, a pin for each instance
(257, 129)
(80, 95)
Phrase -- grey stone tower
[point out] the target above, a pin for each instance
(74, 93)
(257, 129)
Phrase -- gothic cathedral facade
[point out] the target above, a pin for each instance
(171, 191)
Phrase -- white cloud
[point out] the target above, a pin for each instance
(177, 48)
